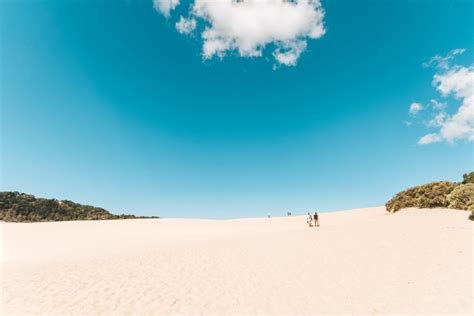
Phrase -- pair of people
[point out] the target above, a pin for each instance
(312, 218)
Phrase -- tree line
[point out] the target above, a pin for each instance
(21, 207)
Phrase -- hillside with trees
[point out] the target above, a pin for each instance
(21, 207)
(441, 194)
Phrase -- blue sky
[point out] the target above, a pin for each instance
(105, 103)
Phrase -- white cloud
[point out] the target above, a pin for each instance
(165, 6)
(458, 82)
(438, 120)
(415, 108)
(186, 26)
(288, 54)
(429, 138)
(443, 62)
(247, 27)
(438, 105)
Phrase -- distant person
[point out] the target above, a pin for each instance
(316, 219)
(309, 220)
(268, 215)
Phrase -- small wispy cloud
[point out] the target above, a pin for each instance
(415, 107)
(165, 6)
(429, 139)
(437, 120)
(186, 26)
(247, 27)
(438, 105)
(443, 62)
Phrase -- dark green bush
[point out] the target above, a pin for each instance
(429, 195)
(468, 177)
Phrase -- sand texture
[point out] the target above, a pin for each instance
(357, 261)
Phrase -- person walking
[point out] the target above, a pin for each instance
(316, 219)
(309, 220)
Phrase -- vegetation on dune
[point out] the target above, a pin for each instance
(429, 195)
(442, 194)
(462, 197)
(21, 207)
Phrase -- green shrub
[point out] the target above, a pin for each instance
(468, 177)
(429, 195)
(462, 197)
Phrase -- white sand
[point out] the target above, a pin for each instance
(360, 261)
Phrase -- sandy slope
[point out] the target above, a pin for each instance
(360, 261)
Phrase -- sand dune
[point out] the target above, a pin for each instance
(359, 261)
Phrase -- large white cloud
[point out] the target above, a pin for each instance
(456, 81)
(248, 26)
